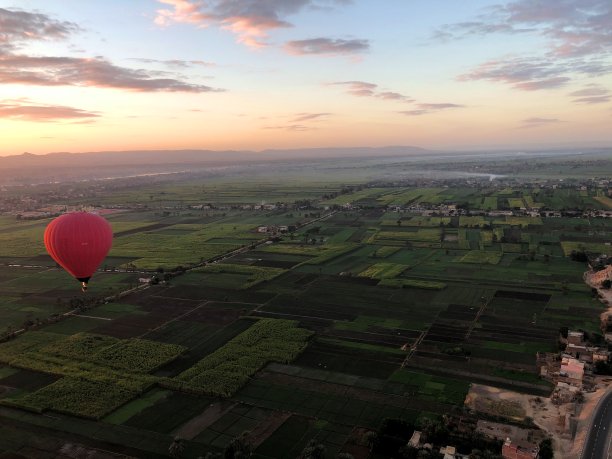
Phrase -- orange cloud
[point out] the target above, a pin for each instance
(24, 110)
(249, 20)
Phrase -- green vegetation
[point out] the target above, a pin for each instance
(383, 271)
(468, 297)
(255, 274)
(226, 370)
(478, 256)
(385, 251)
(139, 355)
(434, 387)
(81, 397)
(88, 363)
(362, 346)
(412, 283)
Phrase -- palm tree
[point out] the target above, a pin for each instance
(370, 439)
(313, 450)
(239, 448)
(176, 448)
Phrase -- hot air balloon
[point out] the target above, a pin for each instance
(79, 242)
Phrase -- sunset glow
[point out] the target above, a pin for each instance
(184, 74)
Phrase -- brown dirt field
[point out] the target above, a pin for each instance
(544, 413)
(132, 326)
(194, 426)
(267, 427)
(354, 392)
(606, 297)
(214, 316)
(355, 444)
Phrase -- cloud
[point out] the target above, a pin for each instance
(592, 94)
(301, 117)
(250, 20)
(548, 83)
(572, 27)
(97, 72)
(300, 122)
(442, 106)
(593, 100)
(529, 123)
(174, 63)
(533, 74)
(17, 26)
(291, 127)
(428, 108)
(25, 110)
(577, 36)
(365, 89)
(328, 46)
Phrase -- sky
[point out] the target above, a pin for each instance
(257, 74)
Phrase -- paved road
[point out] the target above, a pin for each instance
(600, 436)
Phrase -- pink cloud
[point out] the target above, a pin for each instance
(577, 33)
(17, 26)
(25, 110)
(98, 72)
(302, 117)
(250, 20)
(536, 122)
(428, 108)
(328, 46)
(365, 89)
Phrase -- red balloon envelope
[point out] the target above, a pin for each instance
(79, 242)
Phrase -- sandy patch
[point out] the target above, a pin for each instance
(512, 405)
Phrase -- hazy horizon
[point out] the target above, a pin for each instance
(224, 75)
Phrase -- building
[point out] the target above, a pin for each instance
(519, 450)
(450, 452)
(564, 393)
(415, 440)
(580, 352)
(262, 229)
(575, 337)
(572, 370)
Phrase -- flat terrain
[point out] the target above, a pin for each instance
(366, 311)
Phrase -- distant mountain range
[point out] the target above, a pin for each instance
(28, 168)
(197, 156)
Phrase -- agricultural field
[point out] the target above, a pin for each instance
(360, 314)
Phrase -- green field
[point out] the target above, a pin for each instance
(388, 308)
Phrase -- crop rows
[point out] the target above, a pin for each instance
(257, 274)
(226, 370)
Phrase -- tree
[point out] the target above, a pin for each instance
(176, 448)
(408, 452)
(483, 454)
(313, 450)
(239, 448)
(546, 449)
(603, 368)
(370, 439)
